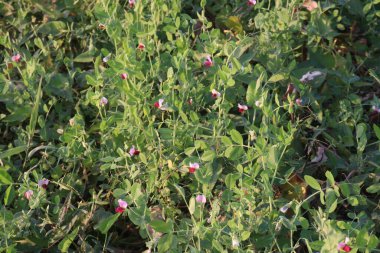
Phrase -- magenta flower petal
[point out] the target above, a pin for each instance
(201, 199)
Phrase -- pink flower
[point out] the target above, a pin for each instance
(193, 167)
(103, 101)
(343, 245)
(201, 199)
(132, 3)
(299, 101)
(215, 94)
(124, 76)
(310, 5)
(160, 104)
(242, 108)
(122, 206)
(141, 47)
(28, 194)
(208, 62)
(133, 151)
(43, 183)
(251, 2)
(16, 58)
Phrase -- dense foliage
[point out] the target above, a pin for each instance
(189, 126)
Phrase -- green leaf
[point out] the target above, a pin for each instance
(13, 151)
(162, 226)
(312, 182)
(192, 205)
(375, 188)
(233, 153)
(236, 137)
(208, 155)
(361, 137)
(64, 245)
(165, 243)
(5, 178)
(85, 57)
(277, 77)
(330, 177)
(230, 180)
(34, 114)
(105, 224)
(166, 133)
(377, 131)
(53, 27)
(9, 195)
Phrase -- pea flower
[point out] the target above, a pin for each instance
(309, 76)
(193, 167)
(122, 206)
(141, 47)
(16, 58)
(160, 104)
(43, 183)
(106, 59)
(215, 94)
(190, 101)
(343, 245)
(285, 208)
(124, 76)
(258, 103)
(208, 62)
(235, 242)
(133, 151)
(28, 194)
(103, 101)
(132, 3)
(242, 108)
(310, 5)
(201, 199)
(299, 101)
(251, 2)
(320, 157)
(376, 109)
(72, 122)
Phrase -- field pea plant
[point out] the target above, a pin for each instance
(189, 126)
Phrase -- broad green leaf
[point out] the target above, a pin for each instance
(9, 195)
(162, 226)
(5, 178)
(165, 243)
(13, 151)
(105, 224)
(208, 155)
(330, 177)
(236, 137)
(192, 205)
(312, 182)
(375, 188)
(361, 137)
(377, 131)
(53, 27)
(277, 77)
(64, 245)
(85, 57)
